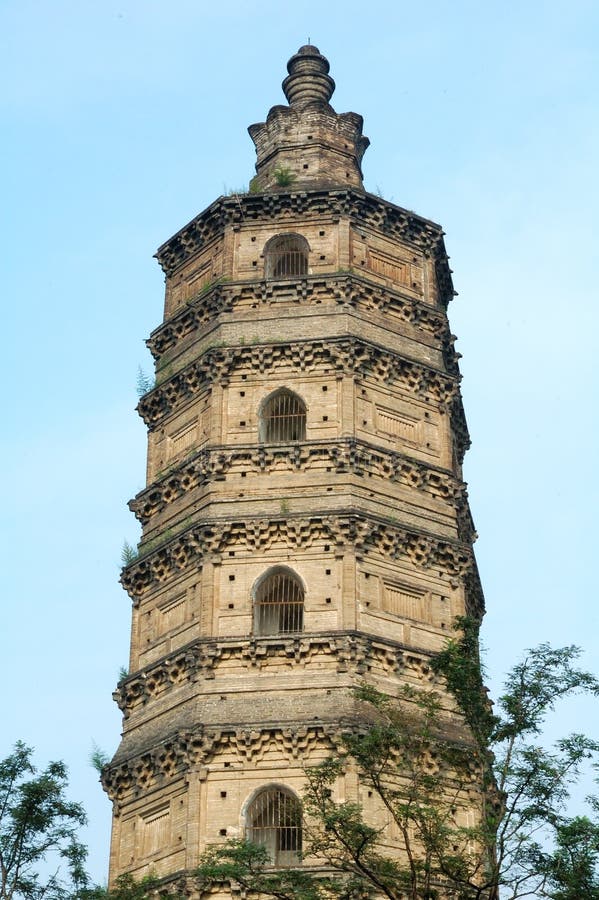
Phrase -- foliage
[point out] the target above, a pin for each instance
(98, 758)
(413, 761)
(284, 177)
(40, 854)
(128, 553)
(126, 887)
(573, 869)
(420, 777)
(144, 382)
(247, 864)
(533, 782)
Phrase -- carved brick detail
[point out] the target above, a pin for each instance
(346, 455)
(344, 355)
(360, 532)
(364, 209)
(350, 290)
(180, 752)
(204, 657)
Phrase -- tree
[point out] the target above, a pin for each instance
(126, 887)
(534, 782)
(40, 853)
(420, 770)
(573, 868)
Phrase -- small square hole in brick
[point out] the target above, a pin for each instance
(223, 793)
(242, 423)
(322, 256)
(244, 474)
(325, 418)
(321, 233)
(231, 606)
(327, 547)
(231, 578)
(324, 387)
(253, 239)
(327, 571)
(327, 599)
(305, 165)
(227, 765)
(242, 393)
(223, 832)
(254, 262)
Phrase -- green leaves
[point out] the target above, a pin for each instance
(38, 823)
(536, 685)
(412, 804)
(126, 887)
(248, 865)
(284, 177)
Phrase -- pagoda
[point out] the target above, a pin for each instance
(305, 522)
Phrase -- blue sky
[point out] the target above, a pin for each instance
(123, 120)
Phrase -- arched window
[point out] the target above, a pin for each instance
(279, 603)
(286, 256)
(274, 821)
(283, 418)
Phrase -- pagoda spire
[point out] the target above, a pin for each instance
(308, 80)
(307, 145)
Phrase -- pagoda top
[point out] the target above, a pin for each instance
(308, 78)
(306, 144)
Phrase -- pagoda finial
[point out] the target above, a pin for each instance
(307, 144)
(308, 78)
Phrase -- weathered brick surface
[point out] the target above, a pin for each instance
(368, 508)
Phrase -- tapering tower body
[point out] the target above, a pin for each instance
(305, 523)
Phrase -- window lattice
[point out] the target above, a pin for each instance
(279, 605)
(274, 821)
(283, 418)
(286, 257)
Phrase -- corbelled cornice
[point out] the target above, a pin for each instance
(351, 529)
(151, 763)
(201, 660)
(349, 290)
(183, 750)
(345, 356)
(341, 454)
(362, 208)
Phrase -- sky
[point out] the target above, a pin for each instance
(122, 120)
